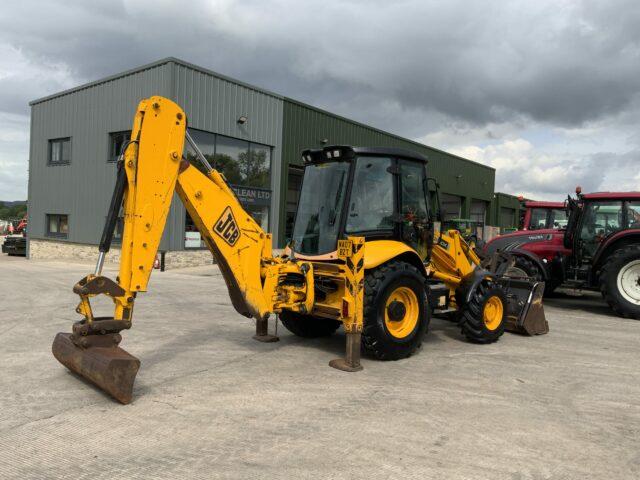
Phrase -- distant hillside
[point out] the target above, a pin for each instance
(8, 203)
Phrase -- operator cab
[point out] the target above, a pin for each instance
(378, 193)
(596, 217)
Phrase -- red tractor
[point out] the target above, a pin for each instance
(599, 249)
(542, 215)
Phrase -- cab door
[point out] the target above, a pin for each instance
(415, 223)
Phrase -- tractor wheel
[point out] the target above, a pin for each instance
(483, 319)
(308, 326)
(527, 268)
(396, 311)
(620, 281)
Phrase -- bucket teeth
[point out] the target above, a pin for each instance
(110, 368)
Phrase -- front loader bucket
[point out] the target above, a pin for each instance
(109, 367)
(525, 311)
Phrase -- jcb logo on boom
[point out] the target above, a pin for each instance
(227, 227)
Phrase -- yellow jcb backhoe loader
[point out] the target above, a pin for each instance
(363, 255)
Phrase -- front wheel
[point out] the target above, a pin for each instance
(396, 311)
(620, 281)
(483, 318)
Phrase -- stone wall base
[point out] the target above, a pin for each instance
(56, 250)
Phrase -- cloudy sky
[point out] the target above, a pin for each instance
(547, 92)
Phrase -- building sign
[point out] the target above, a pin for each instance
(192, 240)
(252, 195)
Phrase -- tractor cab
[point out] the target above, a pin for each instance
(597, 219)
(376, 193)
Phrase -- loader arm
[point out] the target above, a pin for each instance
(152, 169)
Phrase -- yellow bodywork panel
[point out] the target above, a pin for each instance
(452, 259)
(381, 251)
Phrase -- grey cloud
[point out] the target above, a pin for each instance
(474, 61)
(411, 67)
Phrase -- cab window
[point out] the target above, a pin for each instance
(413, 206)
(371, 203)
(601, 219)
(558, 218)
(538, 219)
(633, 214)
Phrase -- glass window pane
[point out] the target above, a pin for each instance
(260, 214)
(118, 141)
(414, 206)
(256, 169)
(65, 155)
(600, 220)
(55, 152)
(371, 204)
(53, 224)
(318, 218)
(206, 143)
(633, 214)
(558, 218)
(538, 219)
(63, 224)
(232, 159)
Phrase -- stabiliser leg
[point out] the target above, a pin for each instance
(353, 252)
(262, 331)
(351, 360)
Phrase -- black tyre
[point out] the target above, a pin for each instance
(483, 319)
(396, 311)
(620, 281)
(308, 326)
(529, 268)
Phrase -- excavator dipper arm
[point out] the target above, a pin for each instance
(152, 169)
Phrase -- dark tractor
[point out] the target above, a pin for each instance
(599, 249)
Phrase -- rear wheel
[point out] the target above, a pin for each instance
(396, 311)
(308, 326)
(483, 319)
(620, 281)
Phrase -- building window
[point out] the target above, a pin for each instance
(117, 140)
(60, 151)
(57, 225)
(247, 168)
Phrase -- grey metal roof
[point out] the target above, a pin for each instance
(147, 67)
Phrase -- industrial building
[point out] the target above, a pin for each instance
(254, 135)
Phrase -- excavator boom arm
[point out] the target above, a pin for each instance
(152, 169)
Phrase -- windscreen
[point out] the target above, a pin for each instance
(320, 207)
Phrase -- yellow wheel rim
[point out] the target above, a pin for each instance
(404, 323)
(492, 313)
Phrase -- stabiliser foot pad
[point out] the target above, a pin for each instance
(342, 364)
(266, 338)
(111, 369)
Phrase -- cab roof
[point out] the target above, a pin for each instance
(347, 152)
(536, 204)
(611, 195)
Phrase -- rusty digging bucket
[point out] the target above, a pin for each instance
(525, 312)
(100, 360)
